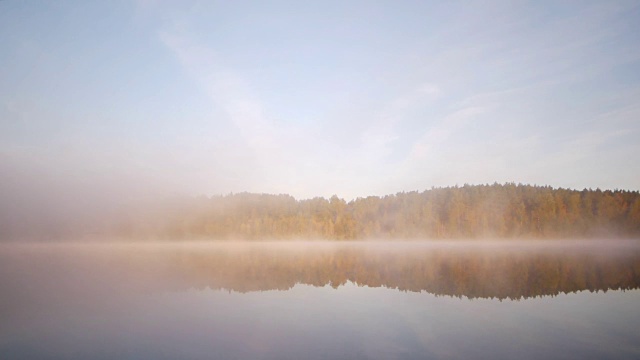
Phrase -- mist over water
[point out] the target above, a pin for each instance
(505, 211)
(319, 180)
(354, 299)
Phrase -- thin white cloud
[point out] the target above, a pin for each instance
(480, 92)
(442, 131)
(376, 141)
(225, 88)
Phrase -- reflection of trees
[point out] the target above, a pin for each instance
(477, 273)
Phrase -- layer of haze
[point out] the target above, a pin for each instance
(102, 101)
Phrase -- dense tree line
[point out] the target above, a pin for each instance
(471, 211)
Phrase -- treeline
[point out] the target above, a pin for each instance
(471, 211)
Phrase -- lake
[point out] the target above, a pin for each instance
(321, 300)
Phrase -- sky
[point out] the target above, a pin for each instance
(353, 98)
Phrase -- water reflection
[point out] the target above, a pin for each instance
(347, 300)
(472, 270)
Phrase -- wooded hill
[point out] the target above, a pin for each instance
(471, 211)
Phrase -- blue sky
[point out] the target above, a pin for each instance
(319, 98)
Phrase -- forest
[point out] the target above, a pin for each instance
(470, 211)
(509, 211)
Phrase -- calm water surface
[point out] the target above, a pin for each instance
(320, 300)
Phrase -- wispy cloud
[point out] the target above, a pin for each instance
(442, 131)
(225, 88)
(377, 139)
(328, 99)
